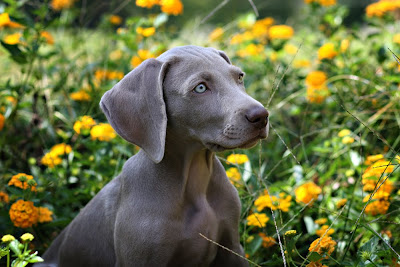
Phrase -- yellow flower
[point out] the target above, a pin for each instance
(51, 160)
(290, 49)
(61, 149)
(47, 36)
(146, 32)
(81, 95)
(267, 241)
(61, 4)
(84, 124)
(378, 168)
(317, 95)
(316, 86)
(102, 132)
(237, 159)
(307, 192)
(241, 37)
(341, 203)
(102, 74)
(4, 197)
(323, 245)
(290, 233)
(6, 22)
(327, 51)
(2, 119)
(324, 231)
(321, 221)
(344, 45)
(316, 78)
(233, 174)
(372, 158)
(142, 55)
(378, 9)
(115, 20)
(23, 214)
(257, 219)
(115, 55)
(147, 3)
(13, 39)
(301, 63)
(379, 206)
(27, 237)
(251, 50)
(344, 132)
(280, 32)
(273, 202)
(172, 7)
(396, 38)
(44, 215)
(327, 2)
(7, 238)
(216, 34)
(21, 180)
(347, 140)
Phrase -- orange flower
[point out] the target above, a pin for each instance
(81, 95)
(115, 20)
(307, 192)
(280, 32)
(172, 7)
(61, 4)
(327, 51)
(21, 180)
(23, 214)
(44, 215)
(267, 241)
(48, 37)
(147, 3)
(216, 34)
(13, 39)
(146, 32)
(2, 119)
(6, 22)
(4, 197)
(324, 231)
(323, 245)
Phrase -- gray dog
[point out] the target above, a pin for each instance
(180, 109)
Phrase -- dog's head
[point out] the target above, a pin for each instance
(198, 90)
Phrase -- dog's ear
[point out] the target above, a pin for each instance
(224, 56)
(136, 110)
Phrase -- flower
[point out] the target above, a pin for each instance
(341, 203)
(23, 214)
(80, 95)
(316, 78)
(251, 50)
(241, 37)
(378, 168)
(102, 132)
(323, 245)
(2, 119)
(147, 3)
(115, 20)
(61, 149)
(102, 75)
(280, 32)
(52, 158)
(290, 233)
(216, 34)
(257, 219)
(344, 132)
(371, 182)
(290, 49)
(347, 140)
(233, 174)
(21, 180)
(13, 39)
(321, 221)
(146, 32)
(84, 124)
(372, 158)
(344, 45)
(4, 197)
(61, 4)
(27, 237)
(115, 55)
(47, 36)
(7, 238)
(316, 264)
(283, 203)
(324, 231)
(307, 192)
(382, 7)
(327, 51)
(172, 7)
(237, 159)
(316, 86)
(301, 63)
(44, 215)
(396, 38)
(6, 22)
(379, 206)
(142, 55)
(267, 241)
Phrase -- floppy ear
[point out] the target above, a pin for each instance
(224, 56)
(136, 110)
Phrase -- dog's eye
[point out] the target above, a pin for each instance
(241, 77)
(201, 88)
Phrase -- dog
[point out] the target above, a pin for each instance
(180, 109)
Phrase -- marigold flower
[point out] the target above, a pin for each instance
(27, 237)
(147, 3)
(307, 192)
(13, 39)
(372, 158)
(283, 32)
(216, 34)
(323, 245)
(5, 21)
(241, 37)
(2, 119)
(251, 50)
(257, 219)
(51, 160)
(23, 214)
(80, 95)
(115, 20)
(321, 221)
(290, 233)
(44, 215)
(327, 2)
(267, 241)
(61, 4)
(4, 197)
(61, 149)
(233, 175)
(7, 238)
(273, 202)
(324, 231)
(172, 7)
(378, 168)
(85, 123)
(142, 55)
(146, 32)
(317, 95)
(102, 132)
(48, 37)
(102, 74)
(341, 203)
(237, 159)
(21, 180)
(380, 206)
(382, 7)
(348, 140)
(327, 51)
(316, 78)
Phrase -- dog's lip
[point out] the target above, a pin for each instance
(259, 135)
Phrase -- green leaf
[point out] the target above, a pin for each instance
(4, 251)
(14, 246)
(19, 263)
(16, 54)
(314, 256)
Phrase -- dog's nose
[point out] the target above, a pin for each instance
(258, 116)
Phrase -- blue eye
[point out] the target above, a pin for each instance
(201, 88)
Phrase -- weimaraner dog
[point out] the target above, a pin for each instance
(180, 109)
